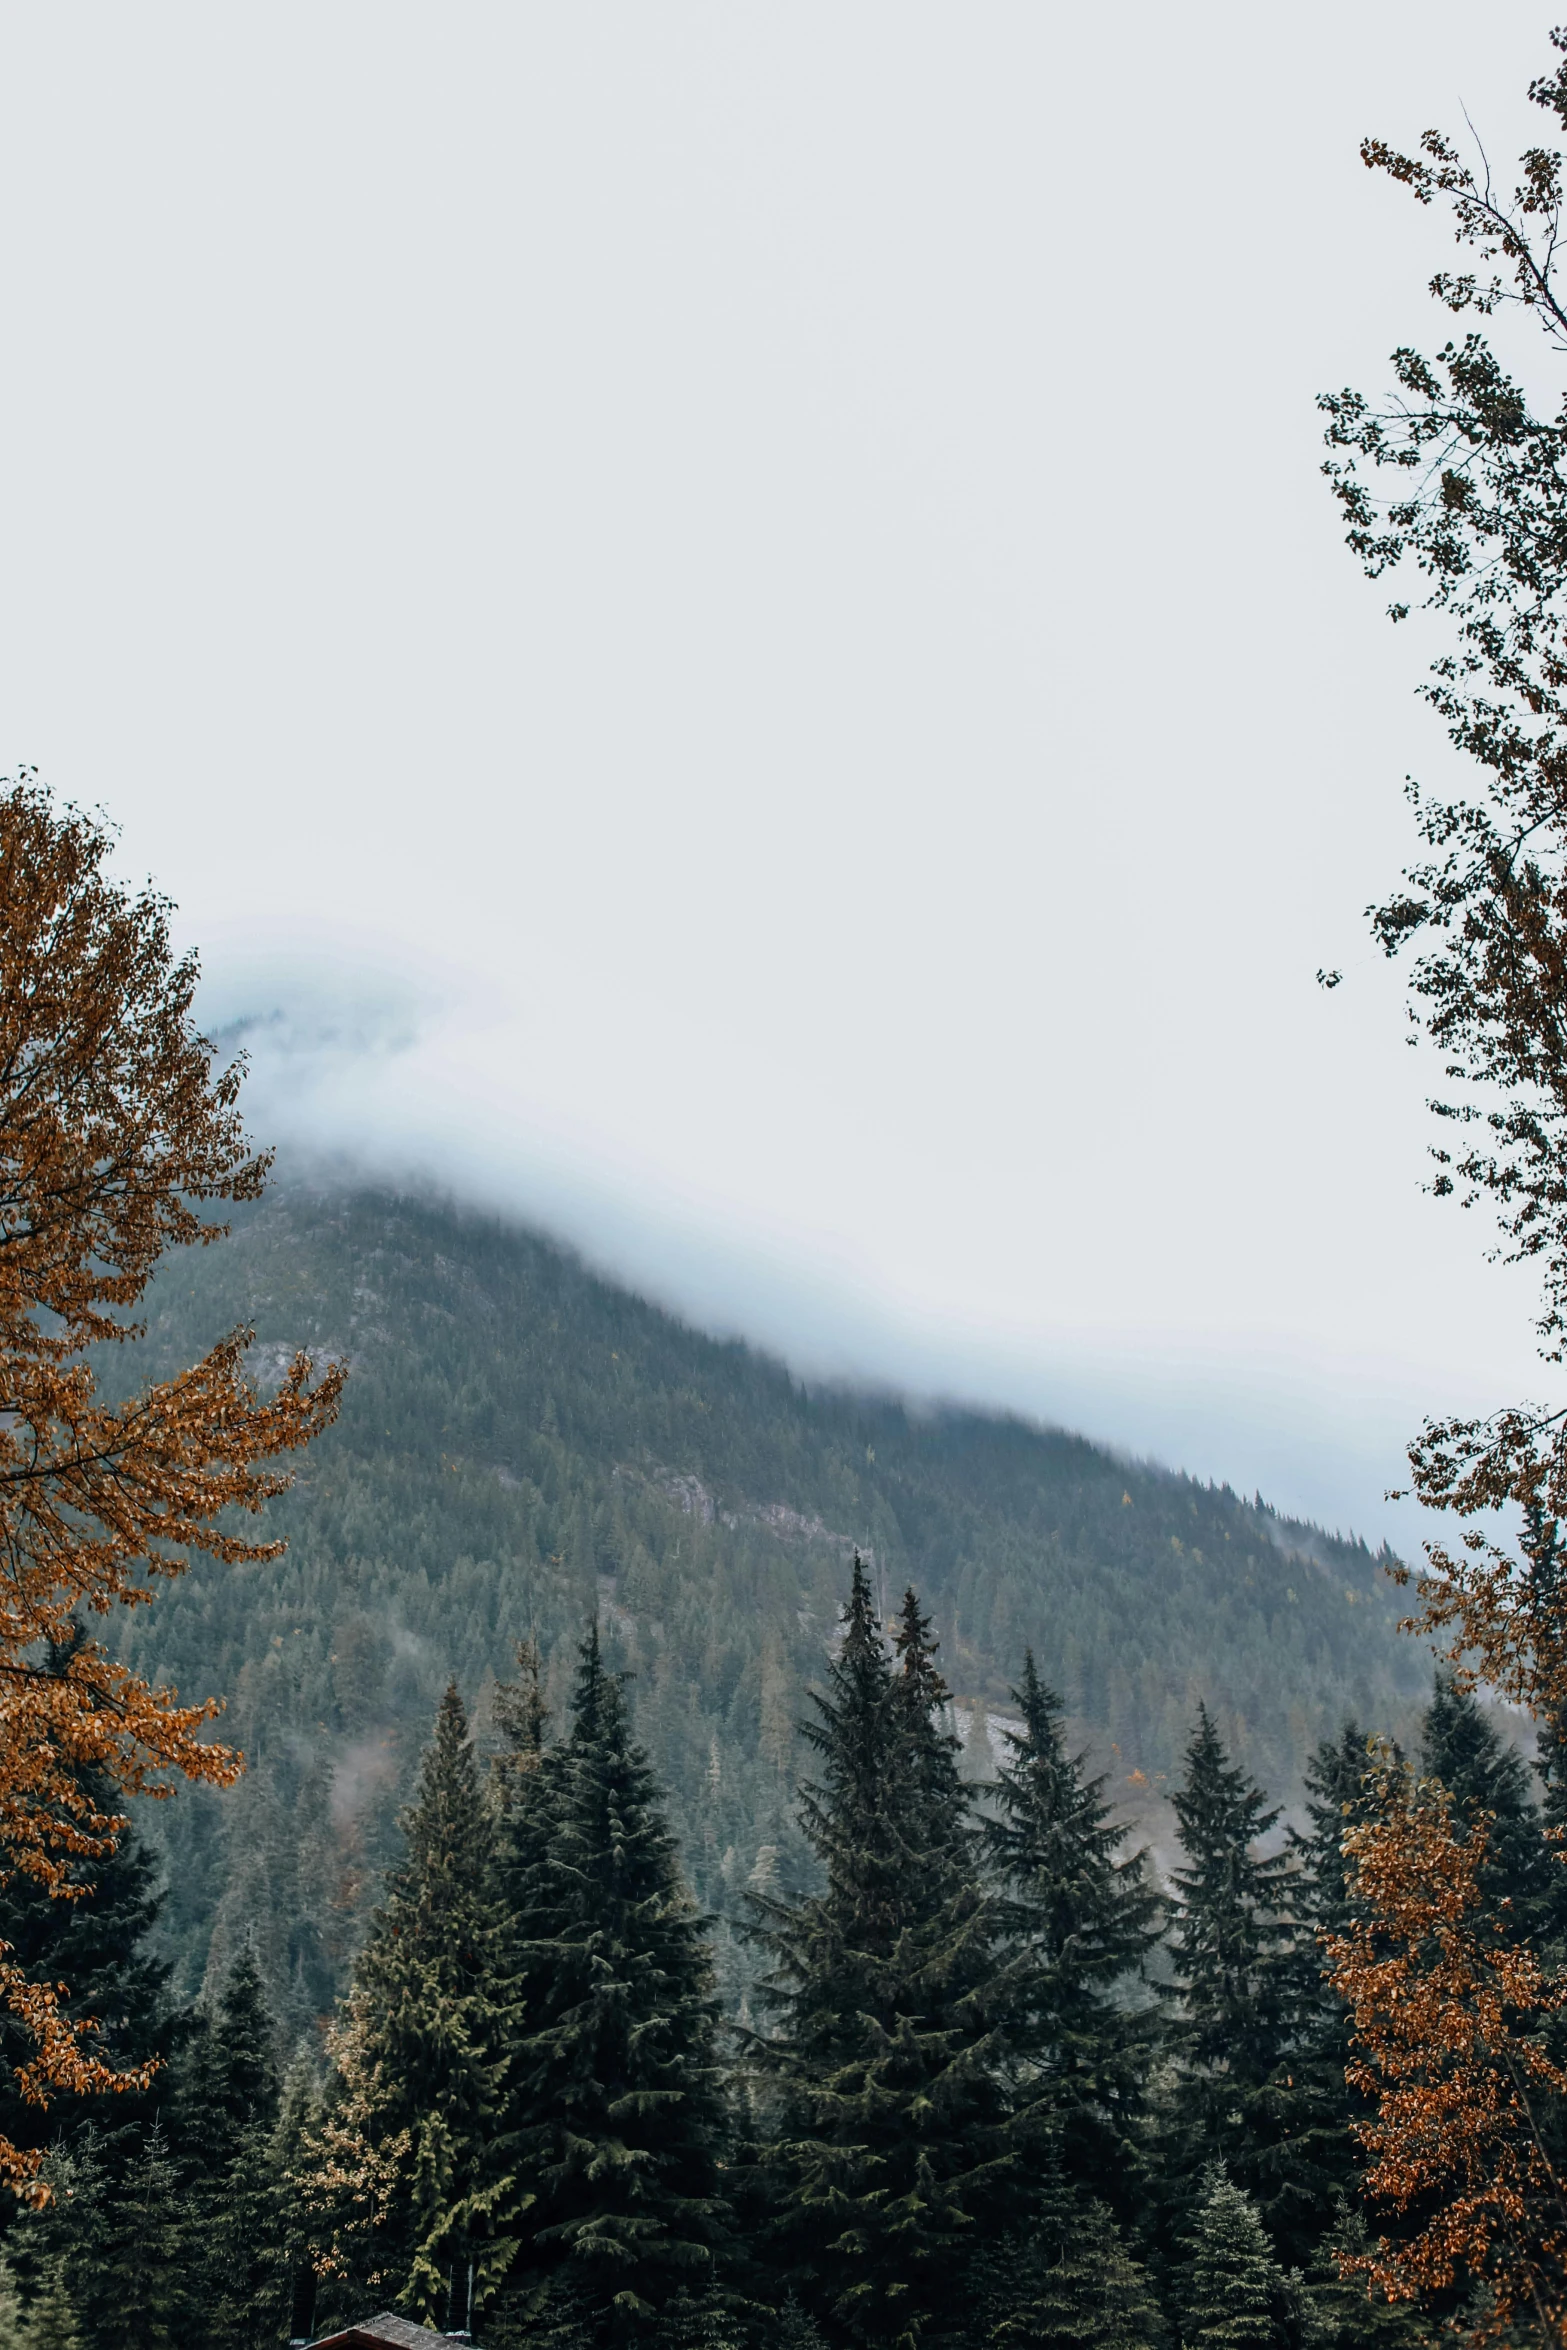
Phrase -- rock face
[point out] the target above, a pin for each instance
(524, 1446)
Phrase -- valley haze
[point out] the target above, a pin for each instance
(381, 1077)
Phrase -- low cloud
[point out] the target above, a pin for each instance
(391, 1076)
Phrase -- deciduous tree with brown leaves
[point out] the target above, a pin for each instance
(1455, 489)
(117, 1128)
(1451, 2048)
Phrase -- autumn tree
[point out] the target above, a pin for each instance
(1452, 2051)
(1455, 490)
(117, 1129)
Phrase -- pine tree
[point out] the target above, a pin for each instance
(1070, 2284)
(413, 2171)
(287, 2289)
(1232, 1961)
(103, 2262)
(1551, 1765)
(1349, 2317)
(141, 2296)
(794, 2330)
(228, 2076)
(1085, 1918)
(1459, 1746)
(1233, 2291)
(523, 1789)
(1307, 2160)
(13, 2332)
(51, 2322)
(225, 2114)
(893, 2158)
(617, 2099)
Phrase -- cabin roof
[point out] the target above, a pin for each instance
(386, 2332)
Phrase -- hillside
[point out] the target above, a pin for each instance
(523, 1443)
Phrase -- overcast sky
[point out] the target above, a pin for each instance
(724, 624)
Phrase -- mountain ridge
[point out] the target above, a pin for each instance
(526, 1444)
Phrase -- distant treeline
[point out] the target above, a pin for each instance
(522, 1445)
(996, 2086)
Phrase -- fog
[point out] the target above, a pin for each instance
(724, 624)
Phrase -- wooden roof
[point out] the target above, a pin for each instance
(385, 2332)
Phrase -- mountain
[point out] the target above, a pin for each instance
(524, 1444)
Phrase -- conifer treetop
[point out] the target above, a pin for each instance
(1234, 2290)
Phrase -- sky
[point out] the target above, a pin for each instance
(724, 624)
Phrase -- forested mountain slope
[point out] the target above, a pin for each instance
(523, 1443)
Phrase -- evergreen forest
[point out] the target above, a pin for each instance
(719, 1859)
(523, 1446)
(991, 2081)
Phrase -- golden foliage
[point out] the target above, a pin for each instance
(351, 2170)
(114, 1129)
(1448, 2017)
(1496, 1607)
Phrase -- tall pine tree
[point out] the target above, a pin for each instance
(1486, 1779)
(1084, 1916)
(414, 2172)
(1312, 2167)
(225, 2111)
(1551, 1764)
(1232, 1960)
(1069, 2284)
(1234, 2294)
(523, 1786)
(616, 2099)
(892, 2161)
(137, 2291)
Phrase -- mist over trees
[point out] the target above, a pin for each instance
(522, 1445)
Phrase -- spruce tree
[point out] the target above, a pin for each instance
(1231, 1957)
(105, 2259)
(288, 2286)
(1308, 2160)
(414, 2170)
(225, 2112)
(52, 2321)
(523, 1788)
(892, 2160)
(1349, 2316)
(141, 2295)
(617, 2100)
(1551, 1764)
(1084, 1916)
(13, 2334)
(72, 2232)
(1485, 1778)
(1070, 2284)
(1233, 2292)
(228, 2075)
